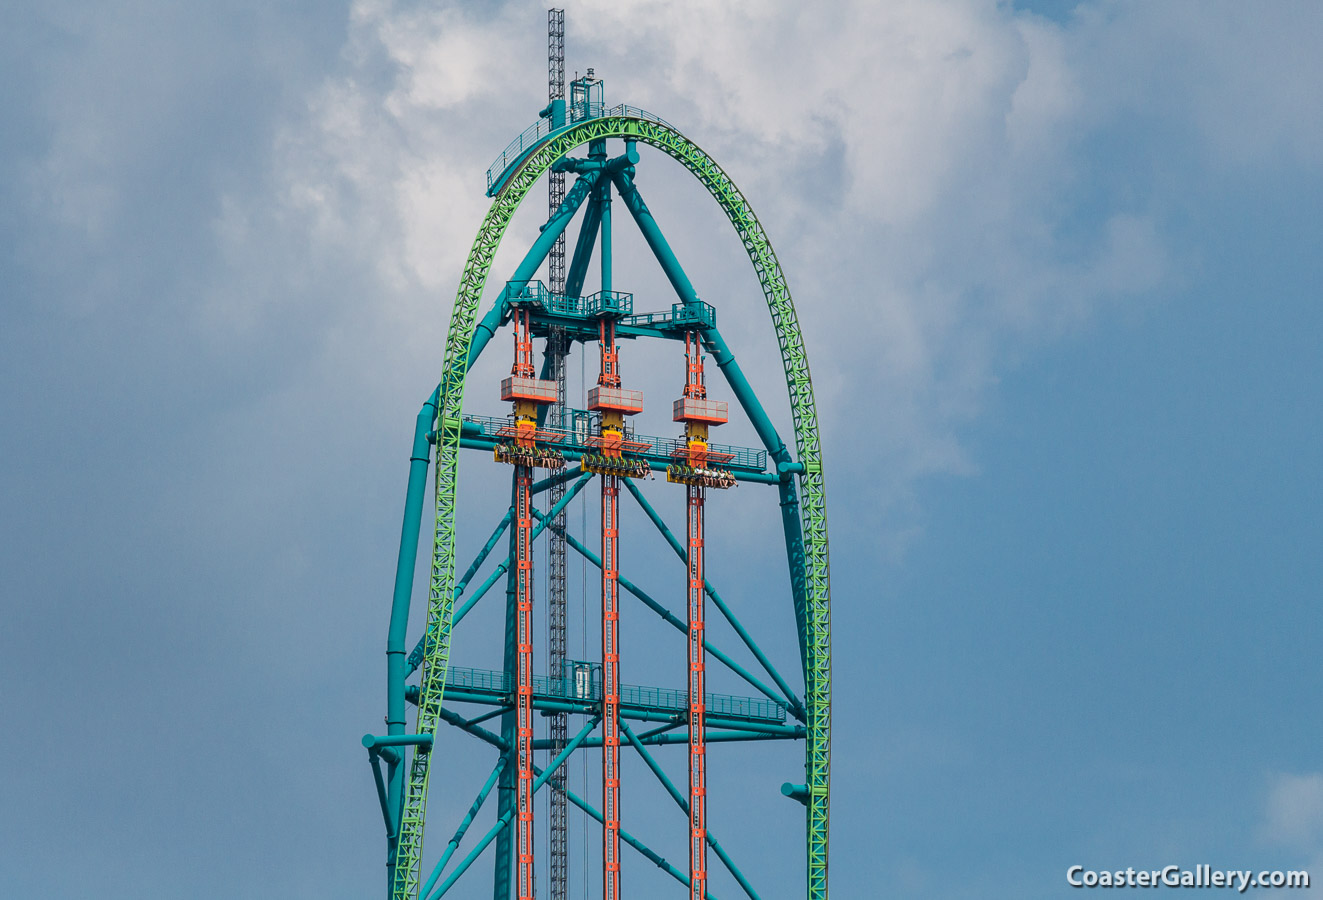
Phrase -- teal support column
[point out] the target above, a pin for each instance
(483, 553)
(789, 498)
(377, 743)
(503, 566)
(399, 611)
(564, 475)
(467, 726)
(743, 391)
(574, 198)
(604, 204)
(581, 189)
(652, 233)
(592, 218)
(797, 792)
(583, 251)
(555, 111)
(375, 760)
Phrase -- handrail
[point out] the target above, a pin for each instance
(630, 694)
(542, 129)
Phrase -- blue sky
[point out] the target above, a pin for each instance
(1058, 272)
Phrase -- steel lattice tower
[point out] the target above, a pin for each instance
(558, 846)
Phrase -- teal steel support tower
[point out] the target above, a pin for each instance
(555, 451)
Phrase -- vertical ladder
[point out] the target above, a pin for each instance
(558, 813)
(556, 180)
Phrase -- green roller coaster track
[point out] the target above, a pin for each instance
(799, 478)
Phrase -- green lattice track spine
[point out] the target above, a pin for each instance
(812, 503)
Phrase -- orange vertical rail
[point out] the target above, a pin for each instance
(523, 367)
(527, 392)
(524, 701)
(696, 443)
(610, 689)
(608, 399)
(697, 712)
(613, 404)
(693, 469)
(610, 378)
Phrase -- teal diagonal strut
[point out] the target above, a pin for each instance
(811, 492)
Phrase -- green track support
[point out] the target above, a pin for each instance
(461, 346)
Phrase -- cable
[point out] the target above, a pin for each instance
(583, 628)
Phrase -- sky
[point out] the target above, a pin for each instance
(1058, 275)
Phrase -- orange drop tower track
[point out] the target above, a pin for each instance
(528, 393)
(693, 469)
(612, 403)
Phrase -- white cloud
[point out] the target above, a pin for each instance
(1293, 817)
(1239, 82)
(444, 59)
(1293, 813)
(920, 167)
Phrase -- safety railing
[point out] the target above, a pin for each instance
(696, 315)
(681, 315)
(581, 424)
(541, 129)
(634, 112)
(620, 303)
(732, 457)
(667, 699)
(518, 293)
(532, 135)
